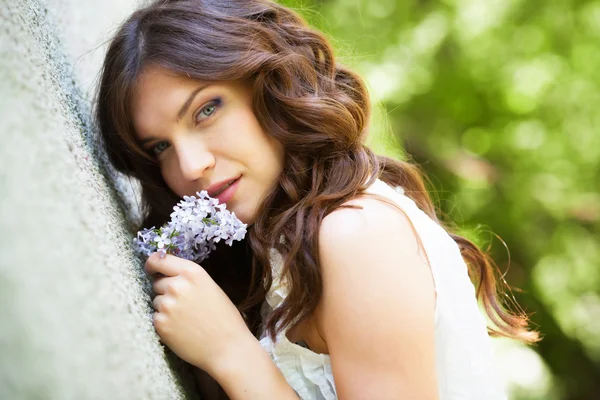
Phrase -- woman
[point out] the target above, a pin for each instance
(346, 286)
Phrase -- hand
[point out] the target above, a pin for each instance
(194, 317)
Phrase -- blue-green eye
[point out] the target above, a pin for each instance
(208, 110)
(159, 148)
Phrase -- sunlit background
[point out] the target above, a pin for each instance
(497, 101)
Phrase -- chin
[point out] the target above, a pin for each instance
(248, 221)
(246, 216)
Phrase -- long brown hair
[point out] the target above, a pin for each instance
(318, 110)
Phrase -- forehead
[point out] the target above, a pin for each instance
(157, 97)
(157, 78)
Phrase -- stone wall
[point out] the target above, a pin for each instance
(75, 311)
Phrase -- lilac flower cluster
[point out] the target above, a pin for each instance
(196, 225)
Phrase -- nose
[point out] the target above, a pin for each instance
(194, 160)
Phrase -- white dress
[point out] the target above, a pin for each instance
(464, 361)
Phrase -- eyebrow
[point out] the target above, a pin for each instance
(184, 109)
(188, 102)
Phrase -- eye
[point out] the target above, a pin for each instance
(159, 148)
(207, 111)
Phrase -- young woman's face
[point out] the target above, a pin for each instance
(206, 136)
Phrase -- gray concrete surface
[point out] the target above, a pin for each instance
(74, 302)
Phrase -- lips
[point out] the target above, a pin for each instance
(218, 188)
(222, 189)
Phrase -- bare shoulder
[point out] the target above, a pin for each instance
(377, 307)
(369, 219)
(376, 242)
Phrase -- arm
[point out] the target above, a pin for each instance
(207, 386)
(186, 298)
(377, 309)
(249, 373)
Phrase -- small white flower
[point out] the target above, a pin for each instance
(196, 225)
(162, 240)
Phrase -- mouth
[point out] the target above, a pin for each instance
(220, 189)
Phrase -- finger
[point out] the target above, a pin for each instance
(162, 304)
(168, 265)
(159, 321)
(164, 285)
(157, 303)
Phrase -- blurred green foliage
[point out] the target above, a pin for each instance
(496, 100)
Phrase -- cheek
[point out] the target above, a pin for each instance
(239, 137)
(253, 141)
(171, 176)
(274, 162)
(279, 153)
